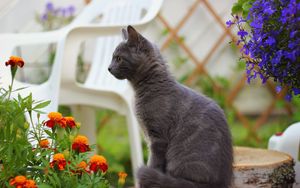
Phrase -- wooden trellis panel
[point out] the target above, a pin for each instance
(173, 35)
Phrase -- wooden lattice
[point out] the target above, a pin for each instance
(201, 70)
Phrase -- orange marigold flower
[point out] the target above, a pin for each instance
(18, 181)
(98, 162)
(82, 165)
(44, 143)
(30, 184)
(55, 118)
(58, 161)
(70, 122)
(80, 144)
(62, 123)
(15, 61)
(122, 177)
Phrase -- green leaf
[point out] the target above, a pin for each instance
(29, 98)
(42, 105)
(241, 65)
(21, 88)
(246, 6)
(165, 32)
(279, 104)
(183, 78)
(49, 133)
(236, 8)
(19, 97)
(44, 186)
(296, 116)
(29, 102)
(245, 14)
(39, 111)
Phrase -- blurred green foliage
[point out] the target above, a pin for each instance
(242, 7)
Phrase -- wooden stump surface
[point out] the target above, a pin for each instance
(254, 168)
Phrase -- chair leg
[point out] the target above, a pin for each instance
(86, 116)
(135, 142)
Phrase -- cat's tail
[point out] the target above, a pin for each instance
(150, 178)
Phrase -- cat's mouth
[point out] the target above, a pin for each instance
(120, 77)
(117, 75)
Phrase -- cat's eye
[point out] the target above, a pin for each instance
(118, 58)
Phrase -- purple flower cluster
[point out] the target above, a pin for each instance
(271, 48)
(51, 11)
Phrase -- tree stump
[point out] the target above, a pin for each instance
(255, 168)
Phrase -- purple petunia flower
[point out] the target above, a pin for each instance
(288, 97)
(270, 41)
(71, 9)
(256, 24)
(278, 89)
(229, 23)
(44, 17)
(63, 12)
(242, 33)
(49, 6)
(293, 34)
(296, 91)
(269, 11)
(291, 55)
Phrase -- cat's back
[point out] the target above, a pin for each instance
(194, 101)
(197, 110)
(201, 136)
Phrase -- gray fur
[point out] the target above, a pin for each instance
(189, 139)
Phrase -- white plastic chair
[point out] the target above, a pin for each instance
(288, 142)
(100, 88)
(49, 89)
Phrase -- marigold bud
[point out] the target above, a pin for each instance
(26, 125)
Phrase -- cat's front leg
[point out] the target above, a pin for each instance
(157, 157)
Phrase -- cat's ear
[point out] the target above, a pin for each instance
(124, 34)
(133, 35)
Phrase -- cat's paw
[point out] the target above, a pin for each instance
(148, 177)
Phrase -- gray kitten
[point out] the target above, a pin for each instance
(189, 140)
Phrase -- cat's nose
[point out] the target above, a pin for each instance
(109, 69)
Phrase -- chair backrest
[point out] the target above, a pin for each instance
(126, 12)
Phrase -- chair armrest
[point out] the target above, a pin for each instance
(9, 41)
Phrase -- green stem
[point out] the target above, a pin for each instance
(13, 70)
(10, 88)
(34, 129)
